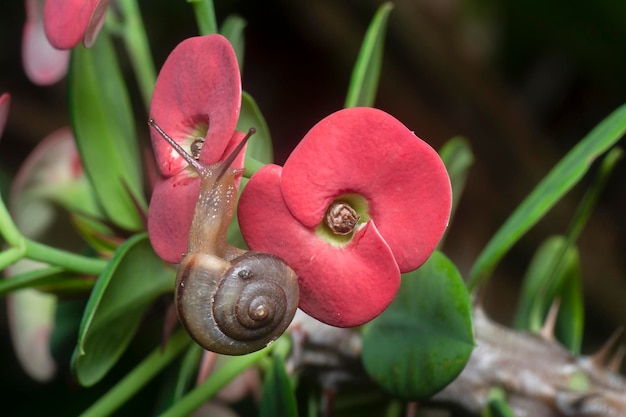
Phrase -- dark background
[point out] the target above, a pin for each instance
(522, 80)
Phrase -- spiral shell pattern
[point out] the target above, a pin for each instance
(248, 306)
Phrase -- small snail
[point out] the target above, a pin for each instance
(230, 301)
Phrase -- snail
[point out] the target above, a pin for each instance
(230, 301)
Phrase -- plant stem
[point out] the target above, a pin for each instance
(67, 260)
(139, 376)
(222, 376)
(28, 279)
(590, 198)
(205, 16)
(10, 256)
(138, 48)
(8, 229)
(22, 247)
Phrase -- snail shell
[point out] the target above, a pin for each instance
(239, 308)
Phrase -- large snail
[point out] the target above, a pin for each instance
(230, 301)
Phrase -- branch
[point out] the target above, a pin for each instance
(540, 377)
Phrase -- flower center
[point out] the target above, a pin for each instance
(195, 138)
(341, 218)
(196, 148)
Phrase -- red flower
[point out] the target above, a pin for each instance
(68, 22)
(196, 100)
(400, 194)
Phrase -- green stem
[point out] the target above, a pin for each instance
(10, 256)
(218, 379)
(22, 247)
(8, 229)
(584, 210)
(29, 279)
(58, 257)
(205, 16)
(138, 48)
(139, 377)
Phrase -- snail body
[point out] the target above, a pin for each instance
(230, 301)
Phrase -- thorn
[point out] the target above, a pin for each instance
(547, 330)
(615, 363)
(602, 356)
(572, 403)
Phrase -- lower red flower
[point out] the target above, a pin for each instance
(360, 200)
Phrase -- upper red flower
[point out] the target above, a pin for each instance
(196, 101)
(391, 183)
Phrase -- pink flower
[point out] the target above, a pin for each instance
(43, 64)
(54, 26)
(196, 101)
(358, 159)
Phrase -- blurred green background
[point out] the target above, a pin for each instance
(522, 80)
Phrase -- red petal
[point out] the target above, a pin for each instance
(68, 22)
(199, 83)
(341, 286)
(368, 152)
(43, 64)
(171, 211)
(172, 207)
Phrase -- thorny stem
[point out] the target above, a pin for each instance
(538, 376)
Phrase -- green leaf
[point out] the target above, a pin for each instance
(133, 279)
(457, 156)
(187, 371)
(232, 29)
(553, 273)
(366, 71)
(548, 192)
(259, 147)
(278, 395)
(424, 339)
(570, 322)
(103, 126)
